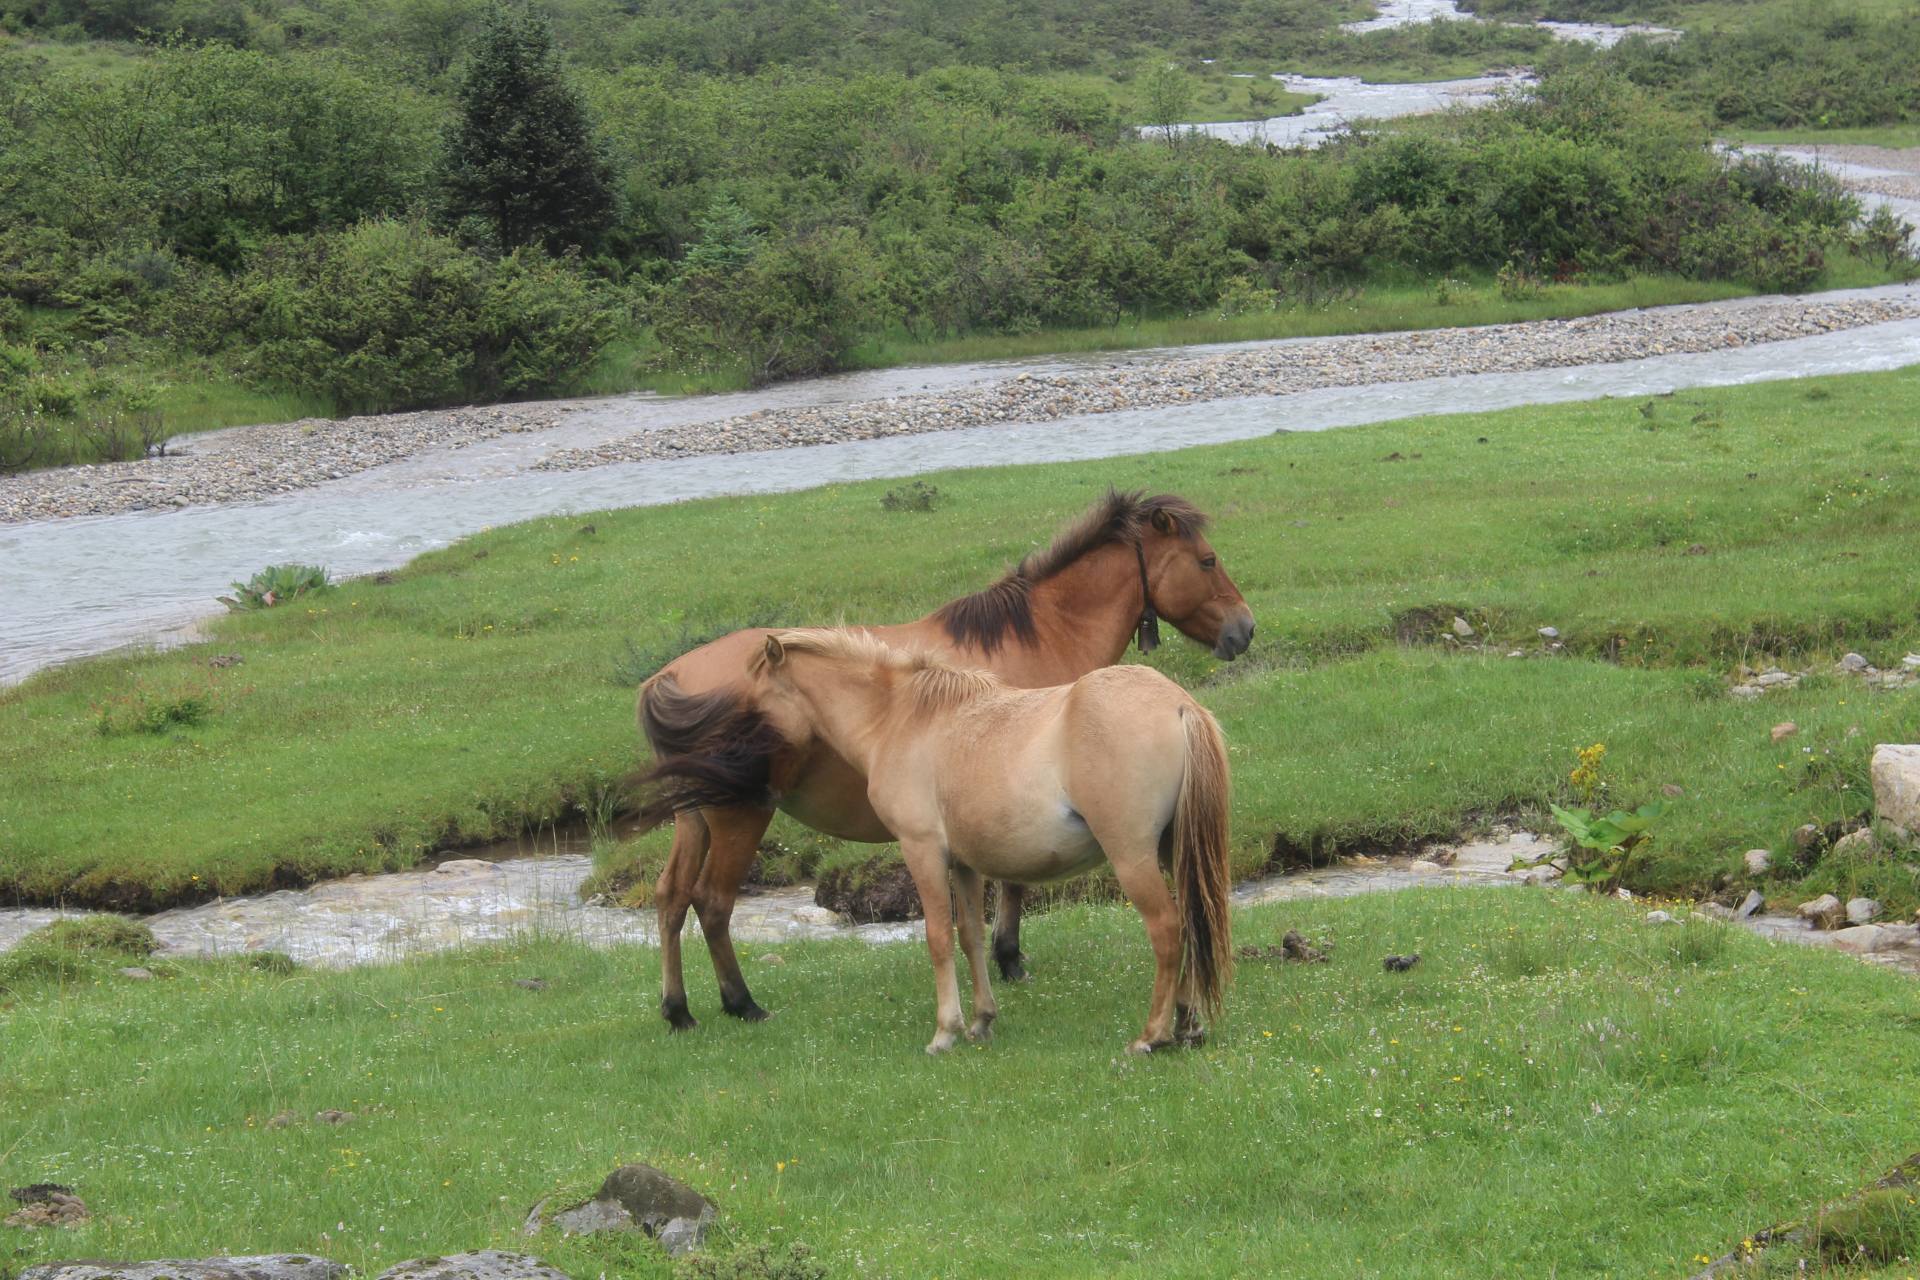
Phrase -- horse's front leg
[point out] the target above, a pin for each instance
(970, 893)
(927, 863)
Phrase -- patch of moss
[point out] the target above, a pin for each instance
(75, 948)
(1880, 1227)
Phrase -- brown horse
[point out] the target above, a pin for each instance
(1031, 785)
(725, 762)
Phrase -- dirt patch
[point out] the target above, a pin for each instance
(876, 891)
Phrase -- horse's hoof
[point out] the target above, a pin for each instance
(941, 1043)
(678, 1019)
(1141, 1047)
(748, 1012)
(1192, 1037)
(981, 1032)
(1009, 959)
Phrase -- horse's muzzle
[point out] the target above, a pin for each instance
(1234, 637)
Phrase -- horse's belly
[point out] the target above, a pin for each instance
(1050, 849)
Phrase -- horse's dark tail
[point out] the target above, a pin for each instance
(1202, 872)
(710, 750)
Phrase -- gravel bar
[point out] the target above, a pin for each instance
(1270, 370)
(245, 464)
(242, 464)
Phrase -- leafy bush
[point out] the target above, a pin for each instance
(276, 584)
(753, 1262)
(392, 315)
(795, 307)
(385, 316)
(542, 321)
(917, 496)
(145, 712)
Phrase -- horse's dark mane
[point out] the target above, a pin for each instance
(986, 618)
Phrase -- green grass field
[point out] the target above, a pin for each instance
(1557, 1089)
(487, 689)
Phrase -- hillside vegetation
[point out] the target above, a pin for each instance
(263, 208)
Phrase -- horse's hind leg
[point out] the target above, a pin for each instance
(970, 895)
(672, 895)
(1138, 872)
(735, 840)
(1006, 932)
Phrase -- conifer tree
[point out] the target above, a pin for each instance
(522, 156)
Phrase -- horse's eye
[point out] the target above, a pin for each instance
(1207, 562)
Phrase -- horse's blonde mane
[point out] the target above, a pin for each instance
(933, 684)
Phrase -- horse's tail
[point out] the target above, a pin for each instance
(1201, 848)
(710, 750)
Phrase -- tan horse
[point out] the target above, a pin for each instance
(727, 762)
(1031, 785)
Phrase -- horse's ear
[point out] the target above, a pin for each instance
(776, 652)
(1163, 522)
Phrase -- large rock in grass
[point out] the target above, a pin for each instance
(1896, 785)
(1824, 911)
(635, 1197)
(272, 1266)
(484, 1264)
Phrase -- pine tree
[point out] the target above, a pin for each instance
(522, 156)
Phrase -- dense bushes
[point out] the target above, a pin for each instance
(228, 204)
(391, 315)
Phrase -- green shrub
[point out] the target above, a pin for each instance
(543, 320)
(275, 584)
(795, 307)
(392, 315)
(385, 316)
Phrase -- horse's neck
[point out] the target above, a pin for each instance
(850, 710)
(1086, 613)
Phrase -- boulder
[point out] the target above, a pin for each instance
(272, 1266)
(484, 1264)
(635, 1197)
(1854, 662)
(1896, 785)
(1857, 844)
(1759, 861)
(1749, 904)
(1824, 911)
(1462, 628)
(1660, 917)
(1863, 910)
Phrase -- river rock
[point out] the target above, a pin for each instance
(1855, 663)
(635, 1197)
(1462, 628)
(1660, 917)
(1549, 633)
(1863, 910)
(1825, 911)
(270, 1266)
(1857, 844)
(1759, 861)
(1749, 904)
(1896, 785)
(485, 1264)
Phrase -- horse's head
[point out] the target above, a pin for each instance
(1187, 585)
